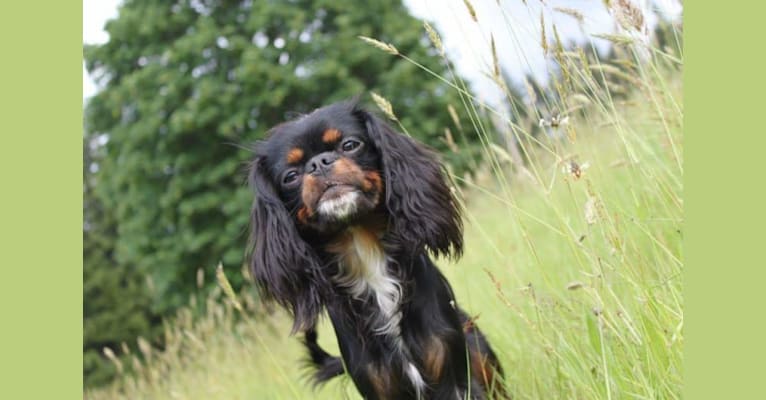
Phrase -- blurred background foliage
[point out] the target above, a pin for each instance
(186, 87)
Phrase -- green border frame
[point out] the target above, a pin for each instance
(41, 206)
(41, 212)
(723, 200)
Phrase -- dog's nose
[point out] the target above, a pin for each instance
(321, 163)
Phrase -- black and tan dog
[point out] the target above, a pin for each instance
(346, 214)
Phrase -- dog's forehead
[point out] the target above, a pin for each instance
(310, 134)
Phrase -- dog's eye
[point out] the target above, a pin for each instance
(350, 145)
(290, 177)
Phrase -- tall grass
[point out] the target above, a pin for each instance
(573, 259)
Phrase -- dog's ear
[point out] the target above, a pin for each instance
(423, 210)
(285, 268)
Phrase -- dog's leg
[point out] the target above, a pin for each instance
(485, 366)
(327, 366)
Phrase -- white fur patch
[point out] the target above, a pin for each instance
(339, 207)
(416, 378)
(364, 270)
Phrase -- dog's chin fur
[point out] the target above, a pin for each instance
(362, 255)
(335, 216)
(341, 207)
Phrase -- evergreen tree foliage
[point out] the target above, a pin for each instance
(116, 306)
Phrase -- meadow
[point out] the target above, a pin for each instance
(572, 267)
(575, 280)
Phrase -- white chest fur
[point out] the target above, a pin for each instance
(364, 272)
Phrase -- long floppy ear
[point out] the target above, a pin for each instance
(423, 210)
(285, 268)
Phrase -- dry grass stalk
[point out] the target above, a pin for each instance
(580, 99)
(559, 55)
(113, 358)
(498, 288)
(144, 347)
(245, 270)
(384, 105)
(618, 73)
(530, 91)
(498, 81)
(471, 10)
(194, 339)
(591, 213)
(616, 39)
(453, 115)
(435, 39)
(585, 62)
(501, 153)
(606, 68)
(200, 278)
(543, 38)
(223, 282)
(573, 55)
(495, 61)
(136, 363)
(628, 15)
(572, 13)
(450, 141)
(388, 48)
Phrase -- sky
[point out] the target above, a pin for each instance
(95, 13)
(514, 26)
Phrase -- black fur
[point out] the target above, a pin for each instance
(327, 366)
(286, 268)
(421, 208)
(410, 212)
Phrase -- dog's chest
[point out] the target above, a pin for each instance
(363, 273)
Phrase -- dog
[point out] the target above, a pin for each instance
(346, 214)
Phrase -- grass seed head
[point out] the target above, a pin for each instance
(616, 39)
(144, 347)
(435, 39)
(388, 48)
(453, 115)
(471, 10)
(384, 105)
(223, 282)
(628, 15)
(572, 13)
(113, 358)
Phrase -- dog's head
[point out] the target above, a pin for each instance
(330, 170)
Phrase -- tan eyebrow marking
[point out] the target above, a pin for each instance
(331, 135)
(294, 155)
